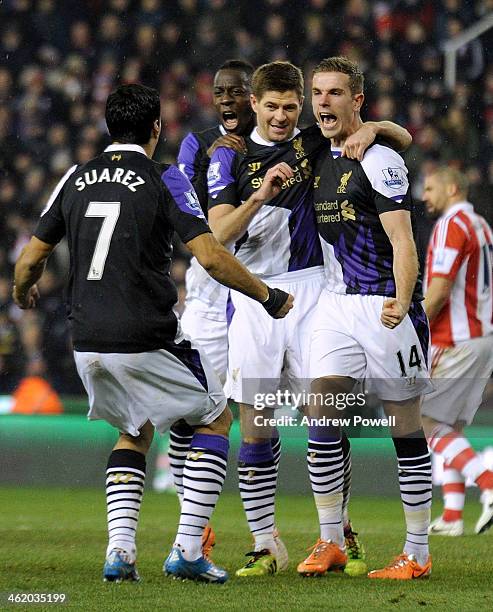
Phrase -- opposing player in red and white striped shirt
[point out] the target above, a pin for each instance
(459, 305)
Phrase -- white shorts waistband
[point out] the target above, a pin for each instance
(294, 276)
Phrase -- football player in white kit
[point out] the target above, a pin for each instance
(207, 304)
(205, 317)
(260, 205)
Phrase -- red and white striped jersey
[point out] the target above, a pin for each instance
(461, 250)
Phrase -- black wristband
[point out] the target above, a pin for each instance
(277, 298)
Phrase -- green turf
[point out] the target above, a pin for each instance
(54, 541)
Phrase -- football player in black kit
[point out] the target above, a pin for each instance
(369, 322)
(231, 99)
(118, 212)
(279, 239)
(205, 318)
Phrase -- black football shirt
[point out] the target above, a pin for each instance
(349, 197)
(282, 236)
(119, 212)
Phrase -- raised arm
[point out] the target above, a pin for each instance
(356, 144)
(186, 217)
(229, 223)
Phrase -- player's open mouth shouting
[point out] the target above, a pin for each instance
(327, 120)
(230, 120)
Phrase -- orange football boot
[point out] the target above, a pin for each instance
(403, 567)
(325, 556)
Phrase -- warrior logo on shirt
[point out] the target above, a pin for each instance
(298, 147)
(344, 181)
(116, 157)
(253, 167)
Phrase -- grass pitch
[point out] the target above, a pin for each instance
(54, 540)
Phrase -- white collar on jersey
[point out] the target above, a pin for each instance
(464, 205)
(256, 137)
(222, 129)
(125, 147)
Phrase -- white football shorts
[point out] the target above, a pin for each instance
(161, 386)
(348, 339)
(265, 353)
(211, 334)
(459, 374)
(210, 295)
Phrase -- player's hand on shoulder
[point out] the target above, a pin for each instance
(356, 144)
(232, 141)
(273, 181)
(279, 303)
(28, 300)
(393, 312)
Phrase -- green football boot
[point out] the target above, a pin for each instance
(260, 563)
(356, 564)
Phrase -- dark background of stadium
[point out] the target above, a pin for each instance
(60, 59)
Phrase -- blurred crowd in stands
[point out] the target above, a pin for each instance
(59, 59)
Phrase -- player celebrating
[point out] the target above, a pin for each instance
(257, 206)
(205, 317)
(459, 306)
(368, 322)
(231, 99)
(119, 212)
